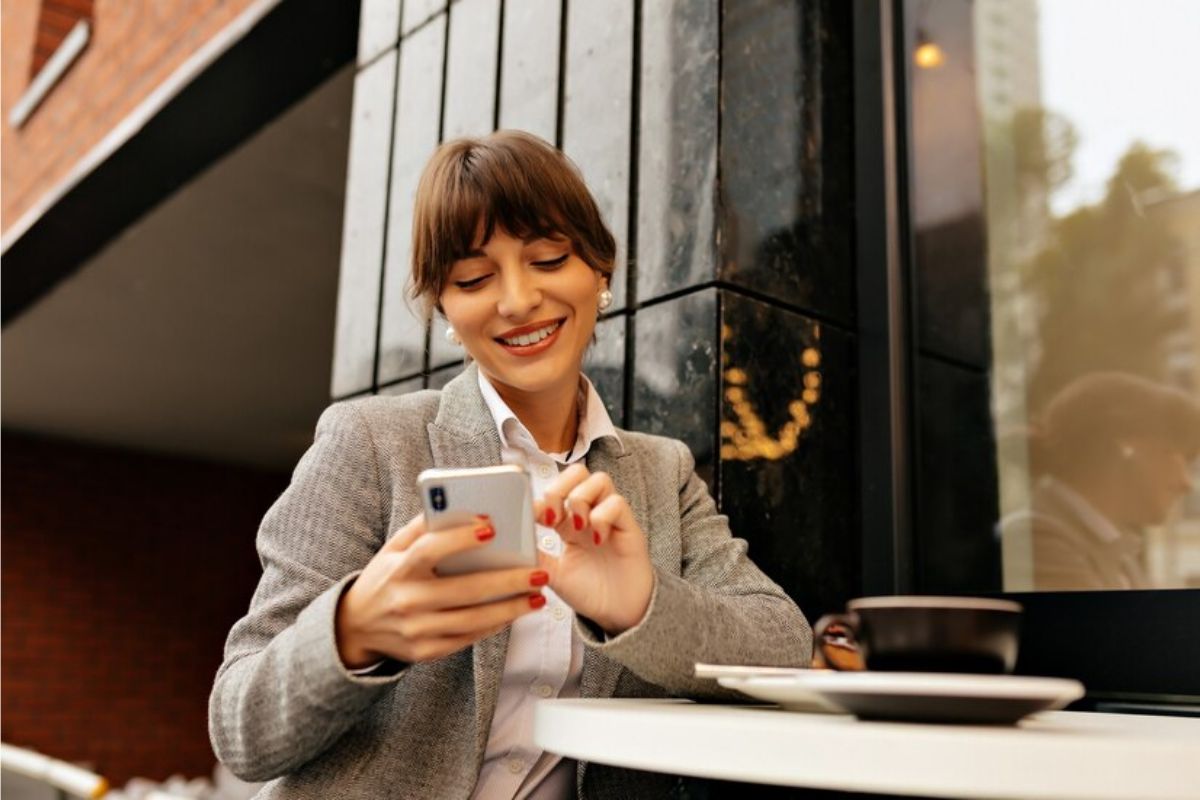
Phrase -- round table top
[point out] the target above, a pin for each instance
(1057, 754)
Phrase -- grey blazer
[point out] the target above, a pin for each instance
(283, 707)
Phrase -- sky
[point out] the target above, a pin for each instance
(1122, 70)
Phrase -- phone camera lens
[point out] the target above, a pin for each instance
(437, 498)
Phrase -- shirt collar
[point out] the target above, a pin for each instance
(1097, 523)
(594, 424)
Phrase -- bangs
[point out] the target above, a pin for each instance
(512, 181)
(520, 205)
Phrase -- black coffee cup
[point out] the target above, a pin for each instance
(922, 634)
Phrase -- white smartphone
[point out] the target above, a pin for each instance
(452, 498)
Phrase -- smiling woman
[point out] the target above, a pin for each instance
(358, 664)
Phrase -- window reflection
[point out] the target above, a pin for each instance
(1109, 459)
(1092, 214)
(1055, 191)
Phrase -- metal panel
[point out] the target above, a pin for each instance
(598, 102)
(363, 228)
(419, 98)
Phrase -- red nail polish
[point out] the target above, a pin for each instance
(578, 520)
(536, 601)
(550, 517)
(539, 578)
(596, 537)
(485, 533)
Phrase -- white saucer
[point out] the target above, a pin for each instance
(915, 696)
(787, 690)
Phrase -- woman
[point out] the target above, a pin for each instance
(358, 672)
(1112, 455)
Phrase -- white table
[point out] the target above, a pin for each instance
(1060, 754)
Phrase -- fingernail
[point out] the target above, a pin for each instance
(483, 517)
(536, 601)
(484, 533)
(595, 537)
(539, 578)
(550, 517)
(578, 520)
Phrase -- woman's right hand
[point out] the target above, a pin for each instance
(399, 608)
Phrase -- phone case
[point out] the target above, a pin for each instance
(453, 497)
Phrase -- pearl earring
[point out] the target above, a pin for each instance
(452, 337)
(605, 299)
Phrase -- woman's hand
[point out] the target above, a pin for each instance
(604, 570)
(399, 608)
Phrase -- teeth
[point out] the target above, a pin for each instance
(526, 339)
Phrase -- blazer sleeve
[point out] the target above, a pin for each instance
(282, 695)
(720, 609)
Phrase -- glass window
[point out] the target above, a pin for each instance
(1056, 219)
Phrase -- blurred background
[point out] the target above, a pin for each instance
(918, 281)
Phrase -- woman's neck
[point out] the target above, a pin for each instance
(551, 415)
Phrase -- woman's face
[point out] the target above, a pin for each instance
(1158, 476)
(524, 310)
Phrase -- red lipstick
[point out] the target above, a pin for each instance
(535, 348)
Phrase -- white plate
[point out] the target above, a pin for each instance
(917, 696)
(743, 671)
(786, 690)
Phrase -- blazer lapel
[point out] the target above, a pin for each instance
(464, 435)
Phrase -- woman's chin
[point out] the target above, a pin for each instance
(534, 377)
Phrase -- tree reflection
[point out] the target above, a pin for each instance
(1100, 284)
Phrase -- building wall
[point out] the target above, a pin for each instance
(717, 138)
(135, 46)
(122, 575)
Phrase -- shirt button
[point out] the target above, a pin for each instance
(545, 690)
(515, 766)
(544, 470)
(559, 613)
(548, 543)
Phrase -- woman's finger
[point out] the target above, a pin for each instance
(473, 620)
(580, 502)
(428, 549)
(461, 591)
(549, 509)
(610, 514)
(402, 539)
(598, 486)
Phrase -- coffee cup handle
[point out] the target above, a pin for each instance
(836, 644)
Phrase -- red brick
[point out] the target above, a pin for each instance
(133, 49)
(111, 626)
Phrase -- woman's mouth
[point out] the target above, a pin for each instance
(531, 342)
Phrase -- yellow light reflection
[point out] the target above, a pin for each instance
(929, 56)
(747, 438)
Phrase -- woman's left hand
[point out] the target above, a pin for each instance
(604, 570)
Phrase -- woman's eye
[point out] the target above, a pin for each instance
(552, 262)
(472, 283)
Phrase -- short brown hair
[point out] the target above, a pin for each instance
(510, 179)
(1082, 421)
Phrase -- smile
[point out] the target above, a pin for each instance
(530, 341)
(530, 338)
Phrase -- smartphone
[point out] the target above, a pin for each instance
(452, 498)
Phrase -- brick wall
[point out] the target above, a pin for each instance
(122, 574)
(135, 46)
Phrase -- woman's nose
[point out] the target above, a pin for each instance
(1185, 479)
(519, 293)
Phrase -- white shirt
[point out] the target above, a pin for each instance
(545, 656)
